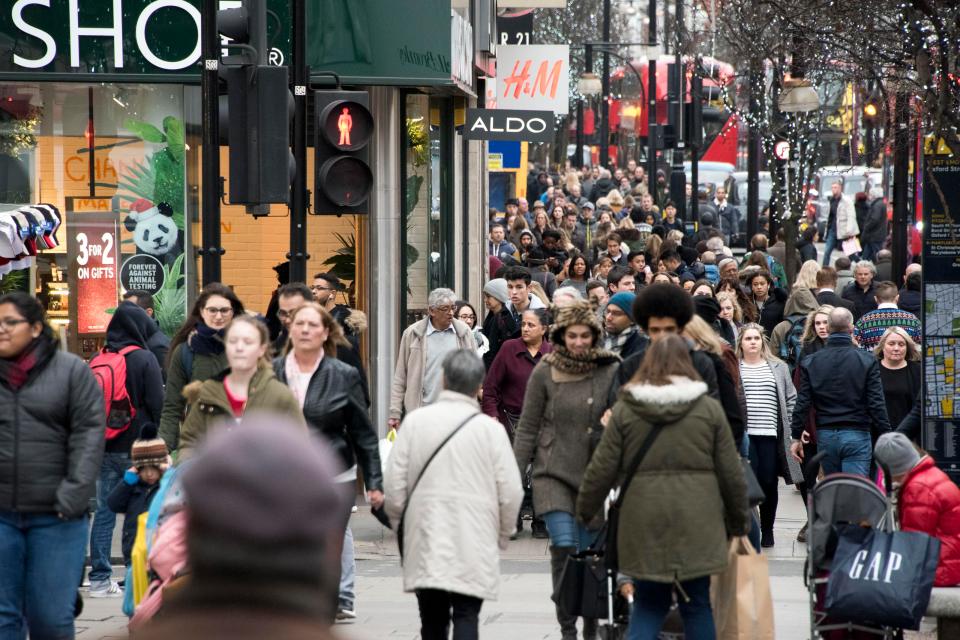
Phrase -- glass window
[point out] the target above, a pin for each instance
(113, 158)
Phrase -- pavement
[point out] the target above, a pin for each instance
(523, 611)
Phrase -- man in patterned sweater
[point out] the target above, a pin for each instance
(871, 325)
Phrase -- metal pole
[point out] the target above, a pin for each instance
(587, 68)
(605, 91)
(696, 85)
(901, 175)
(753, 160)
(298, 211)
(91, 145)
(652, 101)
(678, 179)
(210, 248)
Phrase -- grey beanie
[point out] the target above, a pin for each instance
(497, 288)
(896, 452)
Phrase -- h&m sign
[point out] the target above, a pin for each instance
(506, 124)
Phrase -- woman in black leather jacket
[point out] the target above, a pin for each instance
(330, 393)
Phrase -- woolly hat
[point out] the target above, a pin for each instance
(707, 308)
(148, 449)
(624, 300)
(577, 312)
(497, 288)
(895, 452)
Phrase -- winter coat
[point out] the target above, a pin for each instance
(174, 404)
(601, 188)
(209, 405)
(844, 278)
(772, 313)
(560, 410)
(832, 299)
(808, 250)
(910, 301)
(498, 328)
(131, 326)
(688, 496)
(406, 392)
(788, 467)
(799, 305)
(336, 411)
(506, 381)
(51, 438)
(846, 219)
(843, 384)
(875, 223)
(930, 503)
(464, 510)
(863, 301)
(131, 500)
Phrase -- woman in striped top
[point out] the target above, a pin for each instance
(770, 396)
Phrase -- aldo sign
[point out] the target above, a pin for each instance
(101, 36)
(505, 124)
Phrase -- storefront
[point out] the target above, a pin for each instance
(100, 117)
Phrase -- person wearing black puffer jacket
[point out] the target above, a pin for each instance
(51, 443)
(769, 299)
(129, 327)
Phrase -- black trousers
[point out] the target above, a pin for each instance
(764, 458)
(438, 608)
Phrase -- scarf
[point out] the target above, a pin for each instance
(15, 372)
(615, 342)
(564, 361)
(205, 340)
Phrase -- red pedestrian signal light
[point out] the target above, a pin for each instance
(343, 179)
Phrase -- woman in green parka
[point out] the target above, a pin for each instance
(688, 496)
(196, 353)
(249, 384)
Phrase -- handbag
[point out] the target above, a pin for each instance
(755, 495)
(403, 514)
(882, 577)
(583, 585)
(741, 597)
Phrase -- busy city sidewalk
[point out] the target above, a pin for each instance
(523, 611)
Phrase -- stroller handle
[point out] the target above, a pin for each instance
(812, 467)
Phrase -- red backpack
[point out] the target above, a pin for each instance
(110, 370)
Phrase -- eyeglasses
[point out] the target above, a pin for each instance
(221, 311)
(467, 316)
(283, 313)
(9, 324)
(444, 309)
(319, 288)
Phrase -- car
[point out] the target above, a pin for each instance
(737, 194)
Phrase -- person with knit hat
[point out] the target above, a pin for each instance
(928, 502)
(565, 399)
(621, 334)
(132, 496)
(262, 543)
(498, 325)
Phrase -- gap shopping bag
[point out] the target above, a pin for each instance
(883, 577)
(741, 598)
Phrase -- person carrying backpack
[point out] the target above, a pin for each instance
(132, 386)
(786, 340)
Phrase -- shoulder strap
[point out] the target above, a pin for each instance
(429, 460)
(632, 471)
(186, 361)
(129, 349)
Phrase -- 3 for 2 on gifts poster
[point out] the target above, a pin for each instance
(94, 267)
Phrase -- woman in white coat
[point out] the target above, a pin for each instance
(465, 505)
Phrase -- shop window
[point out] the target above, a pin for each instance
(115, 160)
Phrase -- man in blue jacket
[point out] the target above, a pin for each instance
(842, 383)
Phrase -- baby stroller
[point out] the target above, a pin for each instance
(838, 499)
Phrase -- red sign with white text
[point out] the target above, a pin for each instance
(94, 268)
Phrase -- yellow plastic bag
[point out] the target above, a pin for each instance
(138, 560)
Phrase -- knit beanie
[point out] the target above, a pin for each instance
(577, 312)
(497, 288)
(148, 449)
(895, 452)
(624, 300)
(707, 308)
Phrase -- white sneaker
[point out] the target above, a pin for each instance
(111, 590)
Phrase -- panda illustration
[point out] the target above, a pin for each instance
(154, 231)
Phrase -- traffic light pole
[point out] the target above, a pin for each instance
(605, 93)
(298, 255)
(901, 175)
(210, 249)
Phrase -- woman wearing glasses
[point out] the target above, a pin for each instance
(196, 353)
(51, 436)
(465, 313)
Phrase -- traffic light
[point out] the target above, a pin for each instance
(342, 177)
(257, 112)
(871, 110)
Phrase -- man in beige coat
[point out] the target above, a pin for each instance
(423, 346)
(465, 507)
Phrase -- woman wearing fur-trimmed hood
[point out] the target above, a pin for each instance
(688, 495)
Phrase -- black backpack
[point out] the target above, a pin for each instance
(792, 343)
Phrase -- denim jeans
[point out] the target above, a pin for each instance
(41, 565)
(565, 531)
(651, 603)
(101, 534)
(870, 250)
(848, 451)
(831, 244)
(348, 569)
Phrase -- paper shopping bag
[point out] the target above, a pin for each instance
(741, 598)
(851, 246)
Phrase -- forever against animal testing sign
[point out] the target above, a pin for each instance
(534, 77)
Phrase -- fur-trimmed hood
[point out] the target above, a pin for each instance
(665, 403)
(356, 322)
